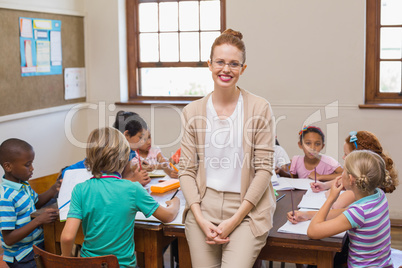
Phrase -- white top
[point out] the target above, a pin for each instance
(224, 149)
(280, 156)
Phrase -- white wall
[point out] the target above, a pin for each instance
(302, 56)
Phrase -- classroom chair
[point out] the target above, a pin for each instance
(45, 259)
(42, 184)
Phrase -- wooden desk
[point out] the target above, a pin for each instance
(280, 246)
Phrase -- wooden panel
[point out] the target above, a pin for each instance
(42, 184)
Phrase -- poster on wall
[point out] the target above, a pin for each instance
(40, 46)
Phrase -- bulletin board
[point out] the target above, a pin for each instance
(21, 94)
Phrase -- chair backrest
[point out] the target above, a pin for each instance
(45, 259)
(42, 184)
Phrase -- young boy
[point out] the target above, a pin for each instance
(106, 205)
(17, 201)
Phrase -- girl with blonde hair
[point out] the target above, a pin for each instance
(367, 219)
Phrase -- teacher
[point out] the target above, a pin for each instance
(226, 165)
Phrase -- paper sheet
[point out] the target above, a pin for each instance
(70, 179)
(396, 256)
(43, 55)
(26, 27)
(55, 47)
(157, 173)
(300, 228)
(74, 83)
(312, 200)
(289, 183)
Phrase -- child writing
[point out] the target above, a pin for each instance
(361, 140)
(97, 202)
(311, 141)
(154, 158)
(133, 127)
(18, 201)
(367, 219)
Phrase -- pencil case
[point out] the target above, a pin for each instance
(165, 186)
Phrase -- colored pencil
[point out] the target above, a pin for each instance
(279, 198)
(175, 193)
(291, 200)
(315, 175)
(175, 168)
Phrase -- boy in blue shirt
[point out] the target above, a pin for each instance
(18, 201)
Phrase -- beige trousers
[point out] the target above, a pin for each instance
(243, 248)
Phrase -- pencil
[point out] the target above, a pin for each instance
(175, 193)
(291, 200)
(175, 168)
(315, 175)
(279, 198)
(139, 159)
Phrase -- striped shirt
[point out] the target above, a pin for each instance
(17, 202)
(370, 236)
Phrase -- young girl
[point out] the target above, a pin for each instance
(154, 158)
(107, 222)
(312, 142)
(367, 219)
(134, 129)
(361, 140)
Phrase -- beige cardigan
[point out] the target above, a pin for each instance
(258, 144)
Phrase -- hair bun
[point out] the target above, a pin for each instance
(234, 33)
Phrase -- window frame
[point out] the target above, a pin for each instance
(373, 97)
(133, 64)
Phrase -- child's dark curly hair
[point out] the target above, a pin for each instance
(309, 129)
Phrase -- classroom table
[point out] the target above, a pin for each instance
(280, 247)
(151, 238)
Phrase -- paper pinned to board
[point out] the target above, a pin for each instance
(74, 83)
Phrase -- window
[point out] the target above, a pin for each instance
(384, 52)
(168, 44)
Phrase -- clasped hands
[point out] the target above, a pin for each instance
(215, 235)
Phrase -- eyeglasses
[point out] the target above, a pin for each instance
(220, 64)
